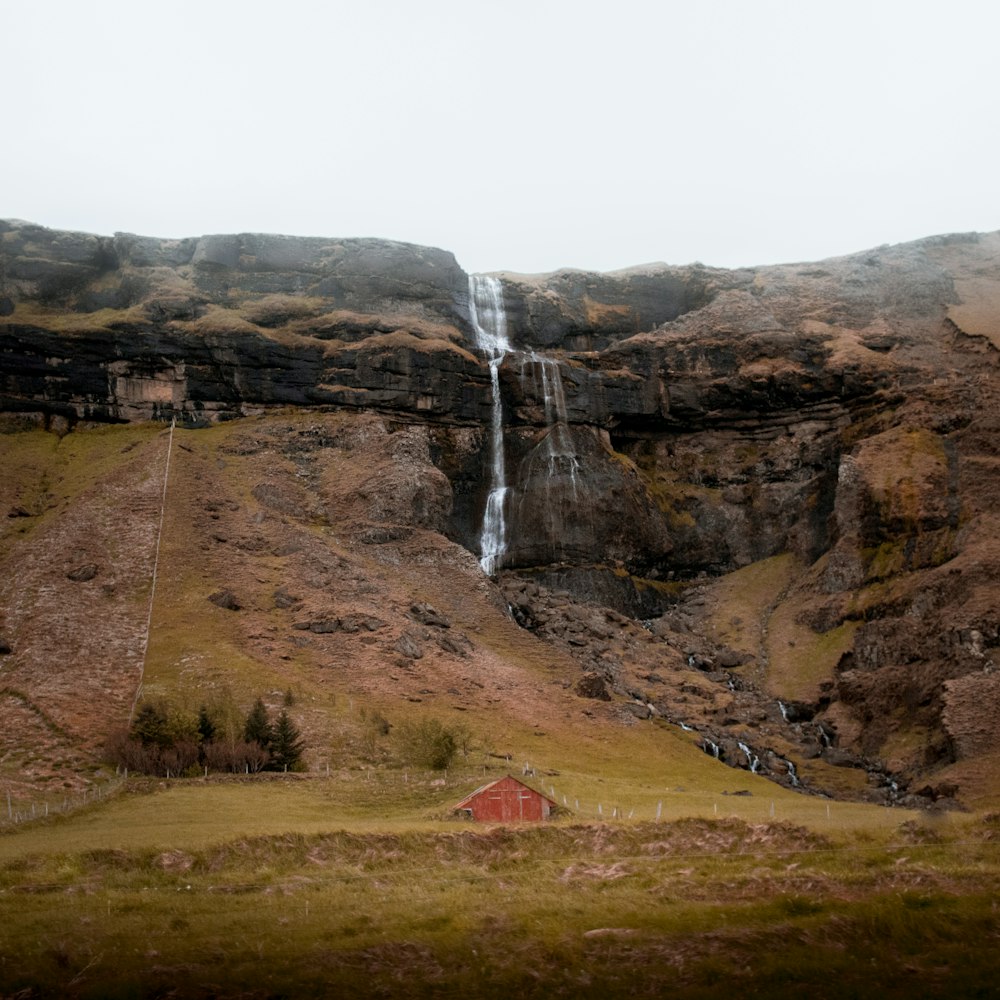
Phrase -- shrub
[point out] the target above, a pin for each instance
(428, 743)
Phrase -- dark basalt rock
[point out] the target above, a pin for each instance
(593, 685)
(427, 615)
(225, 599)
(82, 574)
(585, 311)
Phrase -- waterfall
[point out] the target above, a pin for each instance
(559, 448)
(551, 467)
(489, 326)
(783, 710)
(752, 759)
(793, 776)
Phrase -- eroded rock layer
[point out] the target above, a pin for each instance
(788, 473)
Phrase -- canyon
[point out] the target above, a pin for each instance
(753, 507)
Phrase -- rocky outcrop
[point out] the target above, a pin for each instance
(839, 413)
(584, 311)
(129, 328)
(175, 279)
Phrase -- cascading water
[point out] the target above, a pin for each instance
(752, 759)
(489, 326)
(552, 466)
(793, 775)
(559, 448)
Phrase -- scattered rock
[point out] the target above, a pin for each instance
(592, 685)
(942, 790)
(225, 599)
(383, 533)
(323, 626)
(728, 658)
(841, 758)
(83, 573)
(458, 645)
(361, 622)
(409, 645)
(286, 601)
(427, 615)
(640, 711)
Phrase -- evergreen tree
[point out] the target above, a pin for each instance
(258, 725)
(151, 726)
(206, 726)
(286, 744)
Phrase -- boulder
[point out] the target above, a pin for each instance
(225, 599)
(410, 645)
(592, 685)
(427, 615)
(83, 573)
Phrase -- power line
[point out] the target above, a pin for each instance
(156, 563)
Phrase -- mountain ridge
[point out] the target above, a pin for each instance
(822, 432)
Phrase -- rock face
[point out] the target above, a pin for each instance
(206, 327)
(662, 427)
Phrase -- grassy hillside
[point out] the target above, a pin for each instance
(325, 531)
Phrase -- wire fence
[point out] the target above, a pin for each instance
(18, 809)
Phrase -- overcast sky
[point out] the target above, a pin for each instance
(522, 136)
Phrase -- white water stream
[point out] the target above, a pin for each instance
(560, 451)
(489, 325)
(557, 454)
(752, 759)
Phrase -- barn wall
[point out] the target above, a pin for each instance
(508, 801)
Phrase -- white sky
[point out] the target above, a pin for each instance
(519, 135)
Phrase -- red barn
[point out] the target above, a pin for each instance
(506, 801)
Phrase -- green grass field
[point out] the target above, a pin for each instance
(361, 884)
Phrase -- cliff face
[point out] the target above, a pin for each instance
(828, 427)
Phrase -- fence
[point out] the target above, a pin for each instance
(18, 809)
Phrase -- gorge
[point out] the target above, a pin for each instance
(752, 506)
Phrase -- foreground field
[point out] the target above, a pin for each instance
(313, 888)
